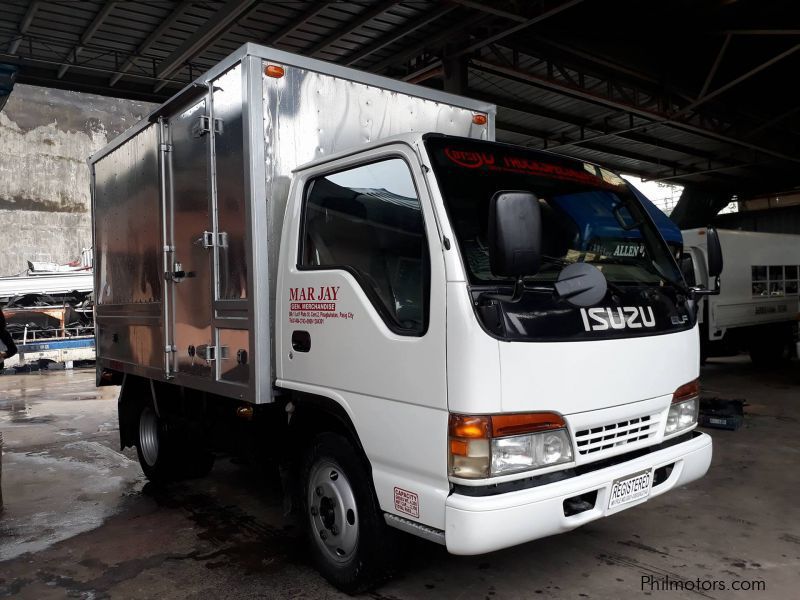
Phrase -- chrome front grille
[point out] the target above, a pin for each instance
(611, 435)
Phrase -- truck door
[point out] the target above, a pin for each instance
(189, 219)
(361, 312)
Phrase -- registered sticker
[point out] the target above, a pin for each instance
(631, 488)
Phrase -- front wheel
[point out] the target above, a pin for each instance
(343, 520)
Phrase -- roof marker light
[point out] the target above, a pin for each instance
(479, 119)
(274, 71)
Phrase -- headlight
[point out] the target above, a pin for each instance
(490, 445)
(685, 407)
(521, 452)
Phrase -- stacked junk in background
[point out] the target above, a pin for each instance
(49, 312)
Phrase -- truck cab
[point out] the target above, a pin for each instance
(490, 415)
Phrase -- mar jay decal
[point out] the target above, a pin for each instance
(624, 317)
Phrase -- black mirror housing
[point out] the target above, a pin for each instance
(714, 250)
(515, 234)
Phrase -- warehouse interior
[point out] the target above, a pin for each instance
(692, 98)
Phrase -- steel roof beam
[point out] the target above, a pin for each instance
(529, 108)
(518, 27)
(24, 25)
(351, 26)
(150, 40)
(715, 66)
(313, 11)
(773, 121)
(705, 171)
(587, 125)
(617, 152)
(219, 22)
(398, 34)
(619, 69)
(87, 35)
(702, 99)
(433, 42)
(491, 10)
(487, 41)
(591, 96)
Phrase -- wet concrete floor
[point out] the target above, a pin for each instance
(81, 522)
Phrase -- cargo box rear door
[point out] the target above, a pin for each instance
(192, 237)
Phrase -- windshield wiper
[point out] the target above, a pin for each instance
(651, 267)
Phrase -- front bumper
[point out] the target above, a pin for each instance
(475, 525)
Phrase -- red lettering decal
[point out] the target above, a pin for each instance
(406, 502)
(469, 159)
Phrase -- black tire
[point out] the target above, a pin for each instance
(153, 447)
(344, 524)
(769, 348)
(169, 454)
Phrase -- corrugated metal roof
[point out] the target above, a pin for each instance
(625, 97)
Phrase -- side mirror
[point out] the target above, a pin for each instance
(714, 257)
(714, 252)
(515, 234)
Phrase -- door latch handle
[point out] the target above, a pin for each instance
(301, 341)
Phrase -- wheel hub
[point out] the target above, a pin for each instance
(333, 512)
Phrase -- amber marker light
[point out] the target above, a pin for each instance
(469, 426)
(514, 424)
(274, 71)
(687, 391)
(479, 119)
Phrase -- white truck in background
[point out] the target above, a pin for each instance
(475, 343)
(757, 310)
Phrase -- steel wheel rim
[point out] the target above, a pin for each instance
(148, 436)
(333, 512)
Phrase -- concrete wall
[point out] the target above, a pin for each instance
(45, 137)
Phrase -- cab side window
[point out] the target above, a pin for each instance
(368, 220)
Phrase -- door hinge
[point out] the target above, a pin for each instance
(205, 125)
(210, 240)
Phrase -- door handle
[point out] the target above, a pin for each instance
(301, 341)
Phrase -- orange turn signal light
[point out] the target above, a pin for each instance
(274, 71)
(686, 391)
(475, 427)
(459, 447)
(514, 424)
(479, 119)
(469, 426)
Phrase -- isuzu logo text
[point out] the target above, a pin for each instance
(624, 317)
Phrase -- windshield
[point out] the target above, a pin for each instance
(589, 214)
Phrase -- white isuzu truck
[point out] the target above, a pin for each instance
(472, 342)
(757, 310)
